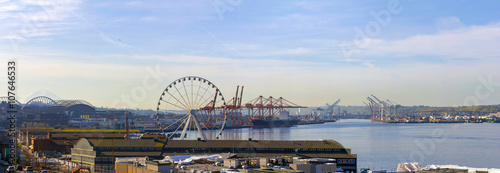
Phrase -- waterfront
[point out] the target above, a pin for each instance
(383, 146)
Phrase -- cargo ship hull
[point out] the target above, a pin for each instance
(273, 123)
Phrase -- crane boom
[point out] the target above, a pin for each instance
(372, 101)
(382, 102)
(241, 96)
(329, 109)
(366, 104)
(333, 105)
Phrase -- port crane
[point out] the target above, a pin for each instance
(375, 108)
(329, 110)
(234, 115)
(393, 107)
(268, 108)
(366, 104)
(382, 109)
(385, 108)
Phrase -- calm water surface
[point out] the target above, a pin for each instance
(383, 146)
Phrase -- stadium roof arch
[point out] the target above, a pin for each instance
(68, 103)
(40, 102)
(6, 99)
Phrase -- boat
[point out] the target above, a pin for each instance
(330, 120)
(493, 121)
(311, 122)
(261, 123)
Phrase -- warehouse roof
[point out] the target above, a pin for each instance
(91, 144)
(75, 130)
(325, 144)
(99, 135)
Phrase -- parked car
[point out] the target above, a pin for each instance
(44, 171)
(29, 168)
(19, 167)
(11, 169)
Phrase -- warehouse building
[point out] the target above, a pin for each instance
(101, 153)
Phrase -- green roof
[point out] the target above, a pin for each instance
(325, 144)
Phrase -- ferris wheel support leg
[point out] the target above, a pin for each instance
(185, 128)
(199, 128)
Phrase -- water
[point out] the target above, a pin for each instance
(383, 146)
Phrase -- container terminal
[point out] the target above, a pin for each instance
(387, 111)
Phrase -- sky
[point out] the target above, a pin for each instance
(124, 53)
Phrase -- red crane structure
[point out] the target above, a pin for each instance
(268, 108)
(258, 108)
(211, 111)
(234, 115)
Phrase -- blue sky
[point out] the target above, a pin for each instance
(310, 52)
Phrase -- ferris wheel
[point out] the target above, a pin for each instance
(195, 108)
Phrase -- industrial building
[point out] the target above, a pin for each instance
(141, 165)
(101, 153)
(64, 142)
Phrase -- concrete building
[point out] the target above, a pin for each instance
(141, 165)
(100, 154)
(233, 163)
(315, 165)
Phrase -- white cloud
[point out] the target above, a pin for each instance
(299, 50)
(371, 66)
(36, 18)
(449, 23)
(222, 61)
(9, 7)
(12, 36)
(471, 42)
(281, 52)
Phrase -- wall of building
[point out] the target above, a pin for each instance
(303, 167)
(159, 166)
(231, 163)
(124, 168)
(47, 145)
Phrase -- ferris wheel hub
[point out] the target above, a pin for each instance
(192, 112)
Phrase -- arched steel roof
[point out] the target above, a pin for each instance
(40, 101)
(6, 99)
(68, 103)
